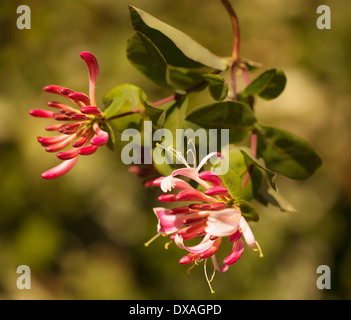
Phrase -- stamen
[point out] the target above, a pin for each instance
(193, 152)
(146, 244)
(175, 153)
(168, 244)
(189, 269)
(206, 276)
(258, 249)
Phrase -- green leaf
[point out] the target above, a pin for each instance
(275, 87)
(182, 79)
(248, 210)
(231, 180)
(272, 176)
(286, 153)
(268, 85)
(123, 99)
(217, 85)
(178, 48)
(146, 58)
(238, 164)
(251, 65)
(232, 115)
(271, 196)
(156, 115)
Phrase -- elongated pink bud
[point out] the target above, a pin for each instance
(194, 220)
(193, 195)
(79, 116)
(216, 191)
(66, 91)
(72, 126)
(93, 67)
(60, 170)
(218, 206)
(211, 177)
(170, 197)
(180, 210)
(88, 150)
(46, 141)
(79, 142)
(61, 117)
(54, 89)
(90, 110)
(79, 97)
(57, 105)
(72, 153)
(54, 127)
(60, 145)
(42, 113)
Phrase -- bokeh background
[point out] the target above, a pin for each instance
(82, 235)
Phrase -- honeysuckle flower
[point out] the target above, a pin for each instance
(210, 215)
(79, 126)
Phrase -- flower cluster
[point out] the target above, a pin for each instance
(211, 215)
(80, 127)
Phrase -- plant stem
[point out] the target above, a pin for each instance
(125, 114)
(165, 100)
(236, 43)
(236, 30)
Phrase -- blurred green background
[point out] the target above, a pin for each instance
(82, 235)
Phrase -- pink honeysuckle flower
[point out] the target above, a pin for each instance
(79, 126)
(211, 215)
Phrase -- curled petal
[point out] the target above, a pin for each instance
(189, 258)
(223, 223)
(204, 245)
(101, 137)
(42, 113)
(204, 160)
(60, 170)
(167, 223)
(235, 236)
(211, 177)
(223, 268)
(247, 233)
(236, 253)
(212, 250)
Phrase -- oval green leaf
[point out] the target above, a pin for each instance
(286, 153)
